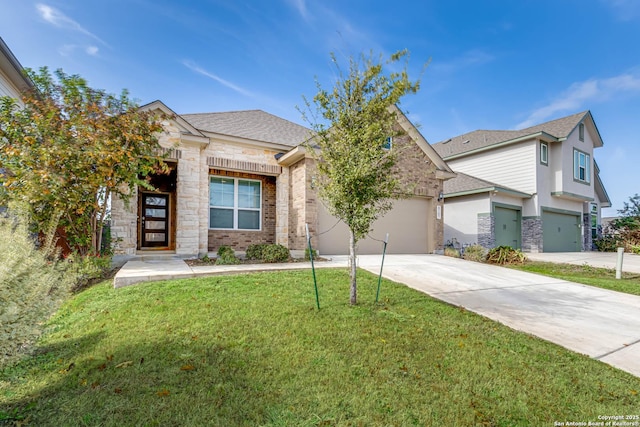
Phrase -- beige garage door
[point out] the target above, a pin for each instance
(407, 225)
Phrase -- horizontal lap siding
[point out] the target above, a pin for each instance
(241, 239)
(513, 166)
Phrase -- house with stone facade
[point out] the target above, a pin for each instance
(244, 177)
(537, 189)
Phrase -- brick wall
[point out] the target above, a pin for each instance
(241, 239)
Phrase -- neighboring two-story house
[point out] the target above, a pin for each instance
(12, 80)
(244, 177)
(537, 189)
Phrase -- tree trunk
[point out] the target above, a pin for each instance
(352, 267)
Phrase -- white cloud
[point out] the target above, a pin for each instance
(196, 68)
(625, 10)
(579, 95)
(301, 7)
(92, 50)
(60, 20)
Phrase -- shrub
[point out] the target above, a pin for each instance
(255, 251)
(607, 243)
(505, 255)
(452, 252)
(226, 256)
(88, 269)
(31, 288)
(314, 253)
(475, 253)
(275, 253)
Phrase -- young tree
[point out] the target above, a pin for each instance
(358, 117)
(68, 149)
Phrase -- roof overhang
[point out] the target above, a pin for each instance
(293, 156)
(246, 141)
(601, 192)
(571, 196)
(493, 189)
(542, 136)
(13, 69)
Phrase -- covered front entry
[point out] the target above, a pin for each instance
(507, 226)
(156, 213)
(560, 232)
(407, 224)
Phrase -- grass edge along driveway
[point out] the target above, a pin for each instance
(251, 349)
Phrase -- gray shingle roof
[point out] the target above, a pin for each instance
(559, 128)
(251, 124)
(464, 183)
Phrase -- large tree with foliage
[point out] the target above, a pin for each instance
(353, 121)
(68, 149)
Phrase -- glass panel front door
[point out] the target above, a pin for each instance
(155, 220)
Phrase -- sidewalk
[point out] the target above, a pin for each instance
(169, 268)
(630, 262)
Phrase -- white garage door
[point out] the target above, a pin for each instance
(407, 225)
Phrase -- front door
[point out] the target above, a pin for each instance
(155, 220)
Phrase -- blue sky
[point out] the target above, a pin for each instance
(493, 64)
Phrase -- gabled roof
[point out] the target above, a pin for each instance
(554, 130)
(443, 171)
(12, 68)
(464, 184)
(161, 106)
(251, 124)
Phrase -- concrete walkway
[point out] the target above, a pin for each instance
(602, 324)
(630, 262)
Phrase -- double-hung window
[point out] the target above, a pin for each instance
(581, 167)
(234, 203)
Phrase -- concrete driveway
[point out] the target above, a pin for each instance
(602, 324)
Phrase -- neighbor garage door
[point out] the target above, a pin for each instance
(560, 232)
(507, 227)
(406, 223)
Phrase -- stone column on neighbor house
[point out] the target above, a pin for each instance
(486, 230)
(188, 194)
(532, 234)
(587, 239)
(124, 224)
(282, 208)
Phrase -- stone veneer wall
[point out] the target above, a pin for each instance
(486, 234)
(303, 201)
(241, 239)
(532, 234)
(124, 225)
(188, 202)
(587, 239)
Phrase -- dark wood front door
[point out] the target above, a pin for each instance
(155, 220)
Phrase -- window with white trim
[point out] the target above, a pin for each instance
(235, 203)
(388, 143)
(544, 153)
(581, 166)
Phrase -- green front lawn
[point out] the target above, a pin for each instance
(600, 277)
(253, 350)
